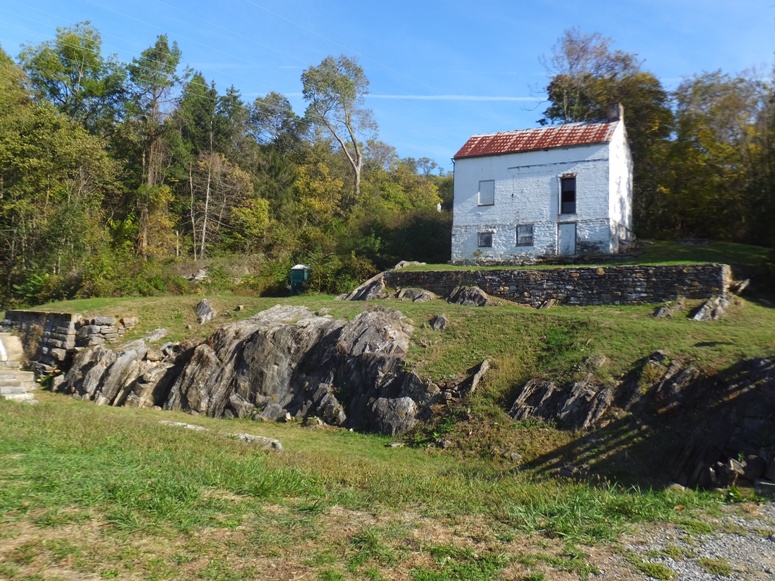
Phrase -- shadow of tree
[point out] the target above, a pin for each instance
(680, 437)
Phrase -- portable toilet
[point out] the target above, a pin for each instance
(299, 276)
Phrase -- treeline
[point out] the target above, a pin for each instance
(113, 174)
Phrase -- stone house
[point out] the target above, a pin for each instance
(561, 190)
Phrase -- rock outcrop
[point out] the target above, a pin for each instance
(703, 430)
(470, 296)
(283, 363)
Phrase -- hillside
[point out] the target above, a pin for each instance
(471, 495)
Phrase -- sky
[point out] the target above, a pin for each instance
(439, 71)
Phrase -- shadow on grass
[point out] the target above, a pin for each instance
(679, 438)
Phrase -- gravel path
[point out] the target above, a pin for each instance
(741, 546)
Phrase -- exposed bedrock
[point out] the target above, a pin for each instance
(697, 429)
(285, 362)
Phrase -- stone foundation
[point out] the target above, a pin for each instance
(50, 339)
(584, 286)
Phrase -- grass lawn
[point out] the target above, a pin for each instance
(99, 492)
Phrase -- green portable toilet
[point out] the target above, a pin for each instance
(299, 275)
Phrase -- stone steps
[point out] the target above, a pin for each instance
(15, 384)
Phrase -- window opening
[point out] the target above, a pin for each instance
(485, 239)
(568, 195)
(487, 193)
(525, 235)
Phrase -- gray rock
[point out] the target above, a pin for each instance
(469, 296)
(405, 263)
(469, 385)
(578, 407)
(199, 276)
(764, 488)
(272, 413)
(204, 312)
(754, 467)
(260, 441)
(394, 416)
(372, 289)
(439, 322)
(155, 335)
(670, 309)
(416, 295)
(128, 322)
(286, 361)
(713, 309)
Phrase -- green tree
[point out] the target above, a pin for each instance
(335, 91)
(71, 72)
(53, 179)
(587, 79)
(715, 155)
(154, 77)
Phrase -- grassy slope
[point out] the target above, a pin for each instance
(92, 492)
(155, 502)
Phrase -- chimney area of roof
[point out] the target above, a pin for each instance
(616, 112)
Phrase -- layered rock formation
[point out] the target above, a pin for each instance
(285, 362)
(701, 430)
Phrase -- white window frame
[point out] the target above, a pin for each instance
(524, 236)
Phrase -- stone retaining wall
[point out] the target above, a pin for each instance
(51, 338)
(608, 285)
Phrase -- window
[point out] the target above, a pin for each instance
(525, 235)
(487, 193)
(568, 195)
(485, 239)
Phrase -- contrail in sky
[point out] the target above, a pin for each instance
(453, 98)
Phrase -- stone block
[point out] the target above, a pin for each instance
(59, 354)
(111, 321)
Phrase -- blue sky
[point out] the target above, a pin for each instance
(440, 71)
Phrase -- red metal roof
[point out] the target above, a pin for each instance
(566, 135)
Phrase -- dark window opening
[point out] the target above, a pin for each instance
(568, 195)
(525, 235)
(485, 239)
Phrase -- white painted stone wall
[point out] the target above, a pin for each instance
(620, 210)
(527, 191)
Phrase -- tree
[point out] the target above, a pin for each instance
(53, 178)
(71, 72)
(154, 76)
(218, 186)
(334, 91)
(273, 121)
(587, 78)
(715, 155)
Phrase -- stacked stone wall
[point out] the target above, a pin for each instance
(50, 339)
(584, 286)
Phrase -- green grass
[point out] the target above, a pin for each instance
(112, 492)
(720, 567)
